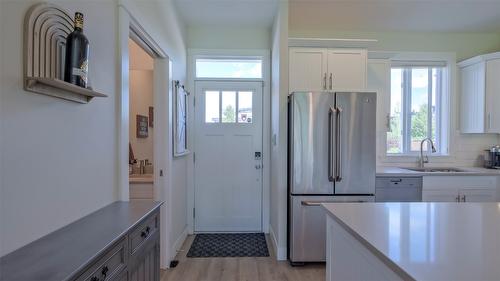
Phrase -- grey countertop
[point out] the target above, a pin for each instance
(64, 252)
(467, 171)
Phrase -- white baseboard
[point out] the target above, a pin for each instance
(280, 251)
(178, 242)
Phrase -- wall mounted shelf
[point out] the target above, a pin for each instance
(60, 89)
(46, 27)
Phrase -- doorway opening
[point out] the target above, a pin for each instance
(141, 123)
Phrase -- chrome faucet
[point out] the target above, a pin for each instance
(422, 161)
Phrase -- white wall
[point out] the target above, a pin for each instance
(159, 19)
(141, 98)
(57, 157)
(223, 37)
(279, 93)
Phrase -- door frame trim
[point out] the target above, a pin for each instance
(129, 27)
(265, 55)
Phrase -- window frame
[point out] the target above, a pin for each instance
(443, 111)
(228, 58)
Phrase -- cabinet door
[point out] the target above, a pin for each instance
(440, 195)
(477, 195)
(307, 69)
(472, 95)
(493, 96)
(347, 68)
(146, 266)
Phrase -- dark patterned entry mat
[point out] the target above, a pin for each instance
(228, 245)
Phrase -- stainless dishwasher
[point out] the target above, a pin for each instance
(398, 189)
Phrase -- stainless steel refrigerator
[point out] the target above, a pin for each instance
(331, 158)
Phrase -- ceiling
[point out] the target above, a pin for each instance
(397, 15)
(349, 15)
(233, 13)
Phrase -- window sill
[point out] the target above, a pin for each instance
(412, 158)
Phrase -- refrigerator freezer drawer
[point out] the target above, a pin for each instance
(308, 226)
(308, 229)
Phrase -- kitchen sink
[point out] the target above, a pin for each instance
(436, 170)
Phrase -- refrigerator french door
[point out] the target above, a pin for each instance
(331, 146)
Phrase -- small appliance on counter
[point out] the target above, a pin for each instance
(492, 157)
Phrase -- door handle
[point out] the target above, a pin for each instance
(331, 150)
(338, 142)
(324, 82)
(331, 81)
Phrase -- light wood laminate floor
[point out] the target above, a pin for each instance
(239, 269)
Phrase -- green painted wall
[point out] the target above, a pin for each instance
(465, 45)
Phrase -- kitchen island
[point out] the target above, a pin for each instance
(413, 241)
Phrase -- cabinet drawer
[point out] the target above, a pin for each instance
(109, 265)
(385, 182)
(143, 232)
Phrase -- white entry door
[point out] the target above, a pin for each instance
(228, 156)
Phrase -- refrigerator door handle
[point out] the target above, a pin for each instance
(310, 203)
(318, 203)
(338, 144)
(331, 150)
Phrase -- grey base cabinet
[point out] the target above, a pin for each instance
(147, 266)
(120, 242)
(136, 257)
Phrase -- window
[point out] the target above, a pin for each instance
(416, 109)
(228, 106)
(229, 68)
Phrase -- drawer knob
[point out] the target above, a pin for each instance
(104, 272)
(145, 233)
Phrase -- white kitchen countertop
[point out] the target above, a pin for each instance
(468, 171)
(428, 241)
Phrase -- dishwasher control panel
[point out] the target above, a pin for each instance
(398, 189)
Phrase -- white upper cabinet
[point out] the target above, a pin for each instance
(480, 94)
(493, 95)
(347, 68)
(326, 69)
(308, 68)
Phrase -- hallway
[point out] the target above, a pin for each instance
(241, 269)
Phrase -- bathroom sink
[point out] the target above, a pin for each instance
(436, 170)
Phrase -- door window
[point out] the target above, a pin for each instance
(212, 107)
(228, 107)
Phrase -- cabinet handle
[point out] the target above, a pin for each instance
(104, 272)
(463, 198)
(457, 199)
(324, 82)
(331, 81)
(489, 121)
(145, 233)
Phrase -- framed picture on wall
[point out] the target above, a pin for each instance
(180, 119)
(141, 126)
